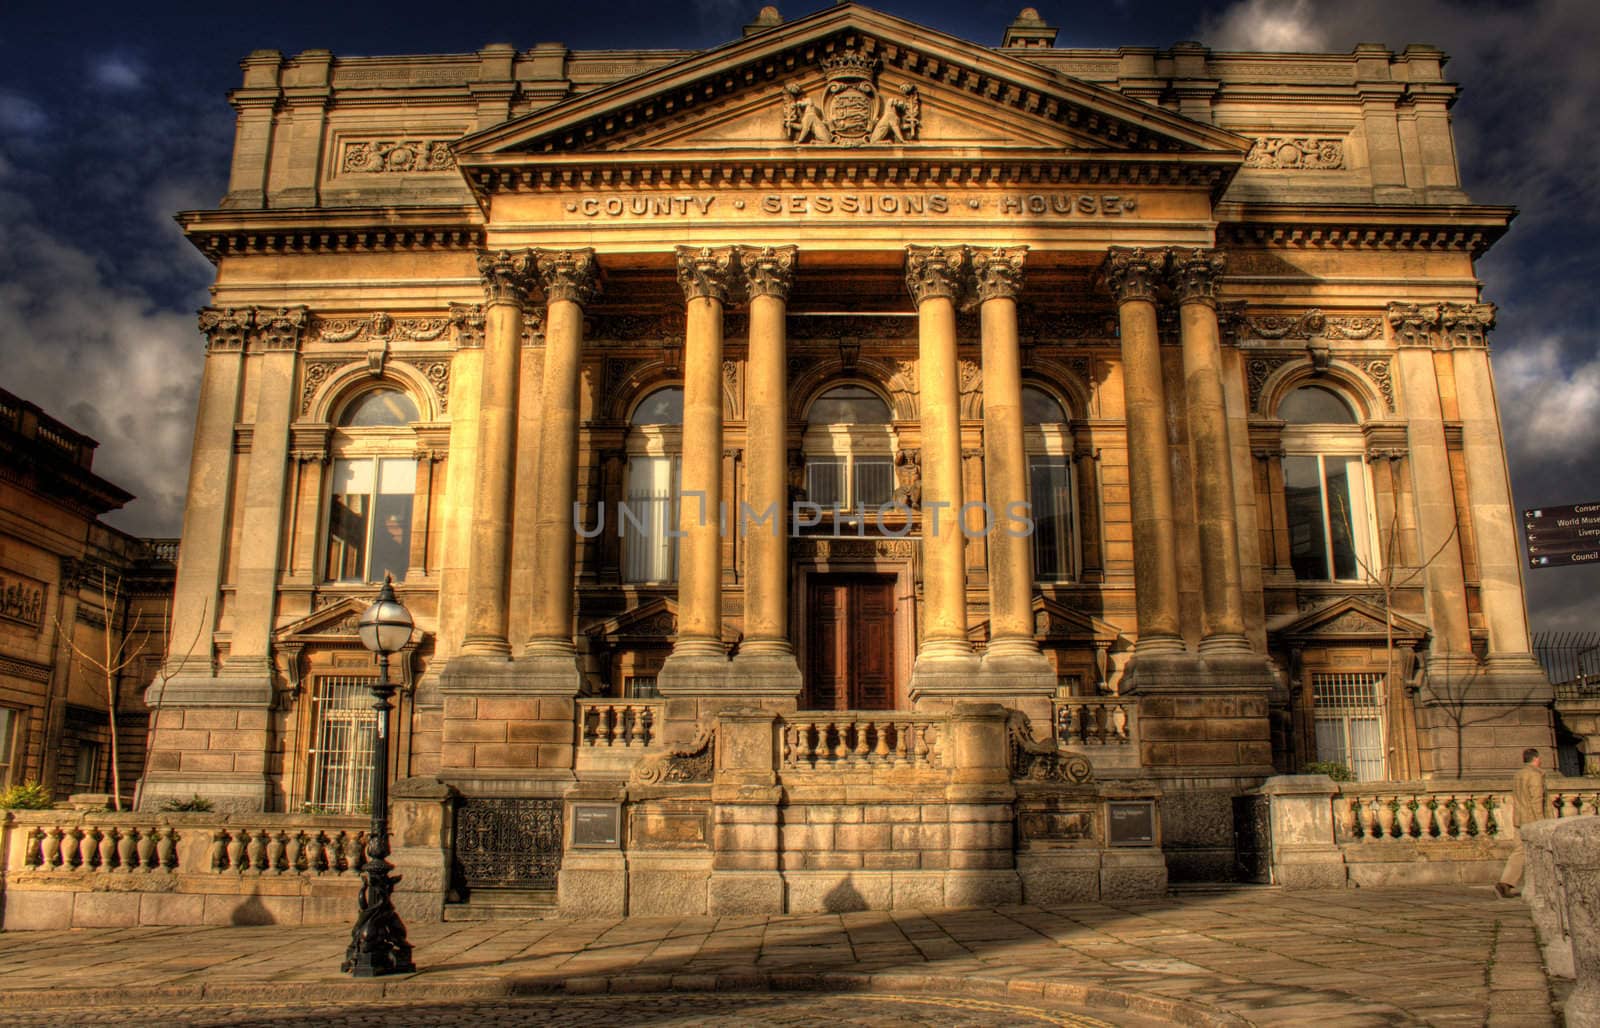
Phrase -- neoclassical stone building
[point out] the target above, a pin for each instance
(848, 457)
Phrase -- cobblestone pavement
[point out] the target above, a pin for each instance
(1446, 956)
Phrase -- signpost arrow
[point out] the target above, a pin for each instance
(1562, 536)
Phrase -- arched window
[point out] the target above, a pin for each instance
(649, 507)
(1048, 441)
(374, 483)
(849, 449)
(1326, 489)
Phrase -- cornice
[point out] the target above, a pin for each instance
(1466, 227)
(236, 233)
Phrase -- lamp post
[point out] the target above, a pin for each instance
(378, 943)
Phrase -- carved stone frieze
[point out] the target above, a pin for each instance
(935, 272)
(1194, 275)
(25, 669)
(767, 270)
(854, 110)
(827, 548)
(706, 272)
(572, 276)
(1442, 326)
(22, 599)
(997, 272)
(1133, 274)
(315, 372)
(1379, 370)
(508, 276)
(1310, 324)
(437, 372)
(377, 156)
(1296, 153)
(377, 325)
(685, 765)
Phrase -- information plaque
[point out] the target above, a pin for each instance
(1131, 823)
(596, 825)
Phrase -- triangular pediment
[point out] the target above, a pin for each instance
(337, 620)
(849, 81)
(1053, 622)
(1350, 617)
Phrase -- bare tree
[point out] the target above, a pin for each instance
(164, 673)
(119, 652)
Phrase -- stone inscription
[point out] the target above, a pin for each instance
(858, 204)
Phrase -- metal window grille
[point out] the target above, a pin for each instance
(341, 754)
(640, 687)
(1348, 714)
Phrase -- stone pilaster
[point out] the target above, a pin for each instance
(698, 663)
(1133, 277)
(1194, 280)
(766, 660)
(945, 663)
(1012, 660)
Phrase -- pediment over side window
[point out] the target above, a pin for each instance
(850, 81)
(1351, 618)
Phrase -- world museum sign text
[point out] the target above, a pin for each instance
(1052, 205)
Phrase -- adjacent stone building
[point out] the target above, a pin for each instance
(848, 457)
(66, 580)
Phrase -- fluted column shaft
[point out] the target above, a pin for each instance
(570, 279)
(998, 277)
(508, 278)
(933, 277)
(767, 273)
(1132, 276)
(705, 275)
(1194, 276)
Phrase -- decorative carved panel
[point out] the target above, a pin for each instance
(22, 600)
(508, 842)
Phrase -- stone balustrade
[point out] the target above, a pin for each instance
(628, 724)
(1571, 797)
(862, 739)
(1384, 811)
(1095, 721)
(273, 850)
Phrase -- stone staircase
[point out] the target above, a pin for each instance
(503, 905)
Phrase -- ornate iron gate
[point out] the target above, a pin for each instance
(508, 843)
(1252, 839)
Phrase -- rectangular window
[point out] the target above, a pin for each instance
(1050, 497)
(340, 765)
(874, 483)
(10, 746)
(86, 774)
(369, 519)
(825, 482)
(647, 520)
(1348, 712)
(640, 687)
(1326, 499)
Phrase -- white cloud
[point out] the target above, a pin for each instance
(1265, 25)
(114, 71)
(1549, 394)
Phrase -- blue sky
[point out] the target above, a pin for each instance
(112, 117)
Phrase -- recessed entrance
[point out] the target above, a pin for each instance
(850, 647)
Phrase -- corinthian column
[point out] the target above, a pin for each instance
(570, 279)
(1194, 279)
(1012, 649)
(698, 660)
(766, 658)
(944, 656)
(508, 278)
(1132, 277)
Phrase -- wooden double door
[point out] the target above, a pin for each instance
(850, 642)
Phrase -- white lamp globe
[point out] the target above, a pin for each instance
(385, 627)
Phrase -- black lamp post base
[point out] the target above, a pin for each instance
(378, 943)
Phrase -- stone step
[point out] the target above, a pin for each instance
(503, 905)
(1217, 888)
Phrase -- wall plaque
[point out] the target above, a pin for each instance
(596, 825)
(1131, 823)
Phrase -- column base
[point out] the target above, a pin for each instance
(696, 667)
(487, 647)
(944, 673)
(764, 673)
(198, 718)
(470, 674)
(1225, 643)
(1160, 646)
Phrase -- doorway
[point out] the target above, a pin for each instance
(850, 644)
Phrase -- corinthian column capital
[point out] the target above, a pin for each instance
(508, 276)
(767, 270)
(570, 275)
(1413, 324)
(997, 272)
(706, 271)
(225, 328)
(1132, 273)
(1194, 275)
(1466, 324)
(934, 272)
(280, 327)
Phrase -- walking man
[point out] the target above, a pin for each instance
(1527, 790)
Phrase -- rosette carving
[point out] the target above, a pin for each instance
(997, 273)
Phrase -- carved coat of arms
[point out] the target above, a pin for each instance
(853, 111)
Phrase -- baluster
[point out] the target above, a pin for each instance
(840, 749)
(860, 730)
(127, 849)
(167, 850)
(255, 851)
(1452, 827)
(1099, 714)
(586, 724)
(1404, 816)
(88, 847)
(105, 856)
(30, 852)
(608, 725)
(647, 718)
(275, 845)
(1491, 816)
(50, 849)
(881, 730)
(316, 853)
(1556, 804)
(146, 850)
(919, 736)
(333, 850)
(791, 738)
(1425, 825)
(1480, 818)
(1386, 818)
(238, 843)
(292, 851)
(1119, 723)
(902, 742)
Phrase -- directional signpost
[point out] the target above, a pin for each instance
(1559, 536)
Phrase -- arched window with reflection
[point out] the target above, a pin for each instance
(849, 449)
(650, 490)
(1326, 489)
(374, 484)
(1047, 439)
